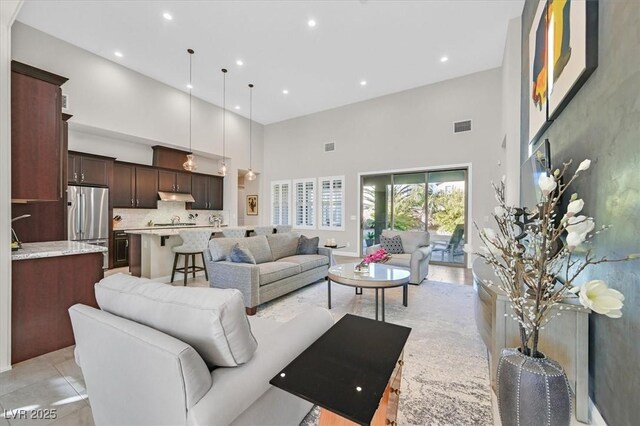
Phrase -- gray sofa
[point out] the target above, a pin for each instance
(278, 270)
(152, 354)
(416, 256)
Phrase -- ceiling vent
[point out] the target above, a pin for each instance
(329, 146)
(462, 126)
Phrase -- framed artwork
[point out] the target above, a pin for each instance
(563, 53)
(537, 82)
(573, 48)
(252, 205)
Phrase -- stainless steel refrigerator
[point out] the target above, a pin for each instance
(88, 216)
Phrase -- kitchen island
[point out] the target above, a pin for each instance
(47, 279)
(150, 249)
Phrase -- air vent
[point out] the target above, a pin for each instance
(329, 146)
(65, 102)
(462, 126)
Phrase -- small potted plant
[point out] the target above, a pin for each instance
(370, 238)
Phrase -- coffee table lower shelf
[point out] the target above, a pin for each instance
(387, 412)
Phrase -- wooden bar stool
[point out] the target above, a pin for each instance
(193, 243)
(234, 233)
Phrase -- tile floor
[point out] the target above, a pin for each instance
(54, 382)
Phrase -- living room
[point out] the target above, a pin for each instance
(346, 98)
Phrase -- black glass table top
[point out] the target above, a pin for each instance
(347, 369)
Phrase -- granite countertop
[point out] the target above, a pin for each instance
(167, 231)
(141, 228)
(54, 249)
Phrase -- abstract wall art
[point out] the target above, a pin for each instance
(563, 53)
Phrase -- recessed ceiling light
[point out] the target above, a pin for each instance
(285, 91)
(239, 62)
(311, 23)
(444, 59)
(118, 54)
(237, 106)
(167, 16)
(363, 83)
(189, 86)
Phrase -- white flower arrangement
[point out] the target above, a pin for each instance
(536, 269)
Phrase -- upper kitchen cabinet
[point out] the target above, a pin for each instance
(123, 191)
(84, 169)
(134, 186)
(169, 181)
(37, 149)
(207, 192)
(146, 187)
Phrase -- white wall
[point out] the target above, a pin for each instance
(8, 12)
(511, 77)
(411, 129)
(106, 97)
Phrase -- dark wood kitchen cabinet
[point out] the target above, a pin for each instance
(134, 186)
(120, 251)
(123, 191)
(86, 169)
(146, 187)
(37, 152)
(170, 181)
(207, 192)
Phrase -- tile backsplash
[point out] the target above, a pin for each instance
(139, 218)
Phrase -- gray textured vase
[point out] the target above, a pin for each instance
(532, 391)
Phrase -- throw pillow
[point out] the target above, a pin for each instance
(240, 255)
(392, 245)
(307, 245)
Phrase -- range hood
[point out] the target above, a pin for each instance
(175, 196)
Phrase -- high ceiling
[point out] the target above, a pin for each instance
(392, 45)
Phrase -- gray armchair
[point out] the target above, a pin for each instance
(416, 256)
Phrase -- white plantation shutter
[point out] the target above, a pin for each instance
(304, 199)
(280, 202)
(332, 203)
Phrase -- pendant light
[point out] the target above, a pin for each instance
(190, 165)
(250, 174)
(222, 171)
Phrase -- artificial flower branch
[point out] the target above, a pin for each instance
(528, 256)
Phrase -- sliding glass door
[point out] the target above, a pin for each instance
(447, 212)
(435, 201)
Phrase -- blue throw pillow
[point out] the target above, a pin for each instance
(240, 255)
(307, 245)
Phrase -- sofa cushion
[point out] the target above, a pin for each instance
(240, 255)
(411, 240)
(392, 245)
(211, 320)
(283, 245)
(307, 245)
(274, 271)
(258, 246)
(307, 262)
(402, 259)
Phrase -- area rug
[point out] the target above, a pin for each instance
(445, 378)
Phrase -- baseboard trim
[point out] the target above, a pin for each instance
(7, 368)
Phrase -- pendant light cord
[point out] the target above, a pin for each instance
(250, 126)
(224, 114)
(190, 87)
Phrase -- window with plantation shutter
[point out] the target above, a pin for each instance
(280, 202)
(331, 203)
(304, 191)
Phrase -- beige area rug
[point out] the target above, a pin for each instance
(445, 379)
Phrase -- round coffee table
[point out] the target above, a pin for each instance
(379, 277)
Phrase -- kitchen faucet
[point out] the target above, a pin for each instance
(175, 220)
